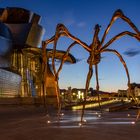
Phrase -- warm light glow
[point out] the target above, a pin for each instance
(62, 114)
(73, 94)
(80, 124)
(48, 121)
(80, 95)
(92, 105)
(128, 115)
(132, 122)
(85, 121)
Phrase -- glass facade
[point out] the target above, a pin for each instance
(29, 66)
(9, 83)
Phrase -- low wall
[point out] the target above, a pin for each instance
(121, 107)
(21, 101)
(27, 101)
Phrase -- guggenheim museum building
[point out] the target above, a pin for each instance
(20, 56)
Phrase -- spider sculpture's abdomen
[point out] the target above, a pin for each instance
(94, 59)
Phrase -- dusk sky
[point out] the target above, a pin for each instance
(80, 17)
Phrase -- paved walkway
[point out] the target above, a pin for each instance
(32, 123)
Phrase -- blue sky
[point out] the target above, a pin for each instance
(80, 17)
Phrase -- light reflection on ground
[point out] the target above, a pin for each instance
(71, 119)
(29, 122)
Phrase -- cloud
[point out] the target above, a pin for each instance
(132, 52)
(69, 21)
(68, 18)
(81, 24)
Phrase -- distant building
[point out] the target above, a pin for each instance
(122, 93)
(77, 95)
(72, 95)
(135, 90)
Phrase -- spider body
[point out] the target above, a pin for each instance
(94, 53)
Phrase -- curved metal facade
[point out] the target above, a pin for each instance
(19, 28)
(5, 45)
(20, 35)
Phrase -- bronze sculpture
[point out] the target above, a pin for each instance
(95, 49)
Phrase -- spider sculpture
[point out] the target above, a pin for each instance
(95, 49)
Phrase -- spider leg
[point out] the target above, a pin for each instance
(44, 58)
(119, 36)
(56, 37)
(63, 30)
(57, 75)
(97, 85)
(60, 29)
(44, 69)
(51, 40)
(119, 14)
(138, 114)
(127, 20)
(89, 75)
(64, 57)
(126, 69)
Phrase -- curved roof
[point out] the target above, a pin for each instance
(16, 15)
(59, 54)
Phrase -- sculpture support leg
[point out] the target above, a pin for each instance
(89, 75)
(44, 71)
(64, 57)
(116, 15)
(57, 75)
(118, 36)
(97, 85)
(58, 99)
(127, 72)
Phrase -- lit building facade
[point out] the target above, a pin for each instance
(135, 90)
(20, 57)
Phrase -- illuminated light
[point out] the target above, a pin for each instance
(99, 115)
(80, 124)
(128, 115)
(92, 105)
(132, 122)
(80, 95)
(85, 120)
(62, 114)
(62, 93)
(96, 113)
(48, 121)
(73, 94)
